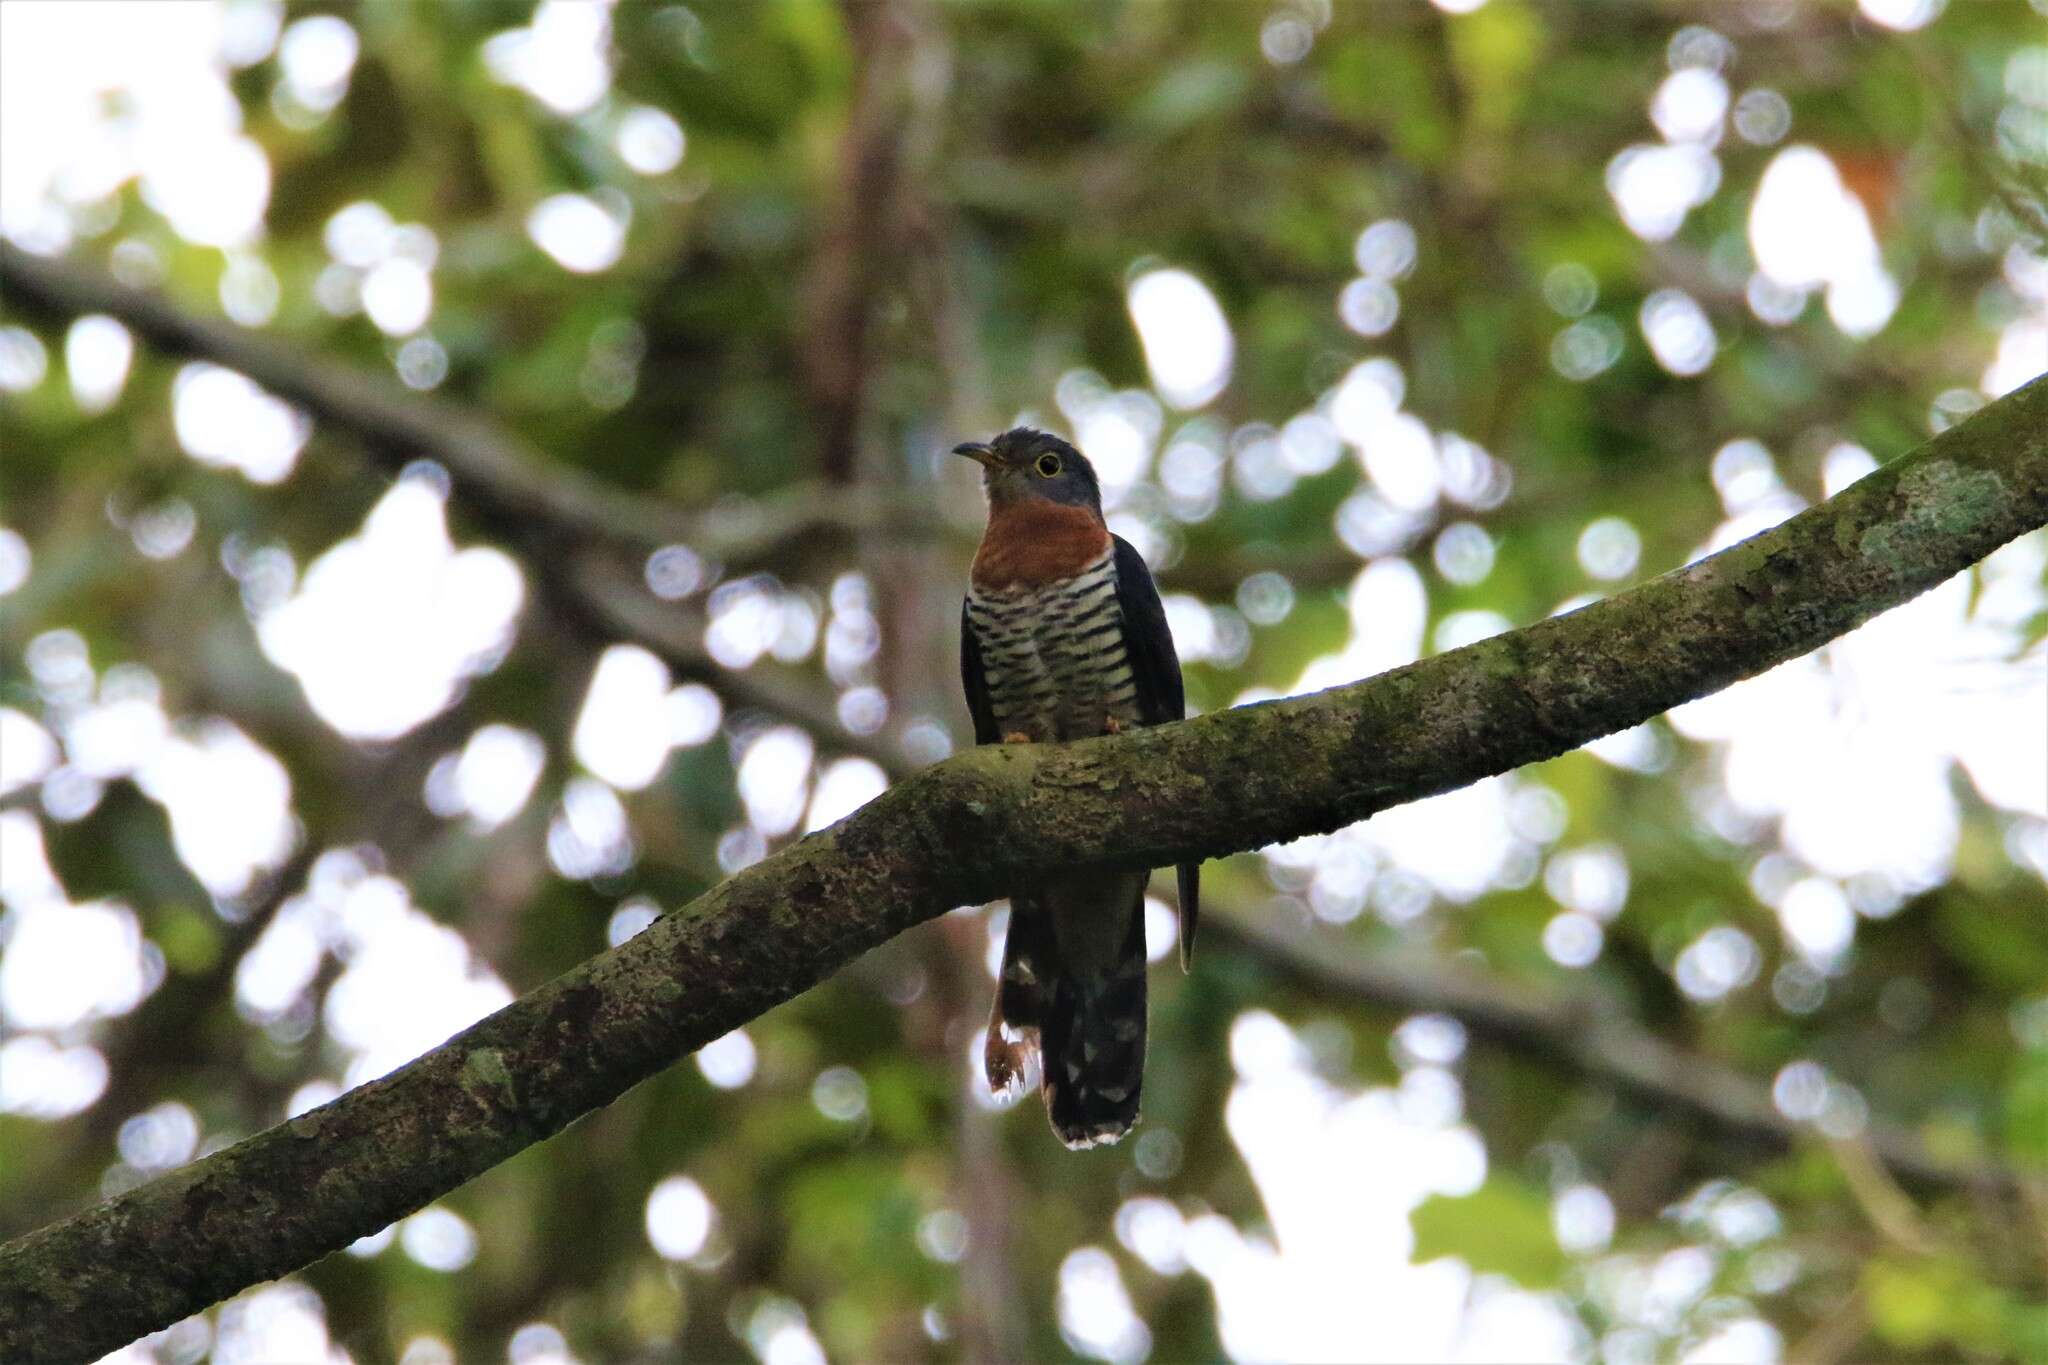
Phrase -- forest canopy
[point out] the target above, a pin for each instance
(473, 477)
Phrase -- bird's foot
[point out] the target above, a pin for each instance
(1016, 737)
(1112, 726)
(1007, 1058)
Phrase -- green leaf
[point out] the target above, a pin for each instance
(2026, 1109)
(1917, 1304)
(1503, 1228)
(1190, 93)
(1495, 50)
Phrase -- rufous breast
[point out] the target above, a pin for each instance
(1035, 541)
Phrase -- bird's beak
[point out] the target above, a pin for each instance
(978, 452)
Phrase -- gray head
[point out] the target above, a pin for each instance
(1023, 463)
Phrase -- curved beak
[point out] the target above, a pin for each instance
(978, 452)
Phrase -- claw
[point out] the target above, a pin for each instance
(1112, 726)
(1006, 1059)
(1016, 737)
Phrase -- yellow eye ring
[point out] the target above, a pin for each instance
(1048, 465)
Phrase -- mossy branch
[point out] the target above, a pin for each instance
(965, 830)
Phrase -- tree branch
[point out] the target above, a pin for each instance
(529, 499)
(855, 260)
(147, 1049)
(967, 830)
(1554, 1029)
(1575, 1034)
(499, 476)
(606, 598)
(543, 508)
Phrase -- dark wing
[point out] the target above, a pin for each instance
(1156, 670)
(975, 682)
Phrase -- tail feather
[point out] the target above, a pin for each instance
(1088, 1028)
(1094, 1041)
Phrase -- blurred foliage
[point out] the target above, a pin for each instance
(976, 185)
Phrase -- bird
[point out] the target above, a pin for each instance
(1063, 637)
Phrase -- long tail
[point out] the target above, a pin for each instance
(1088, 1028)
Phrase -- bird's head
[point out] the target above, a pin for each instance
(1022, 465)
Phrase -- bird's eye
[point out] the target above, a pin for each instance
(1048, 465)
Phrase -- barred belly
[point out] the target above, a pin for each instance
(1053, 655)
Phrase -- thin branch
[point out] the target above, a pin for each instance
(967, 830)
(1557, 1030)
(499, 476)
(2034, 1196)
(542, 508)
(608, 599)
(1890, 1209)
(514, 489)
(2022, 201)
(1839, 1331)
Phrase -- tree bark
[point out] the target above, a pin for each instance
(965, 830)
